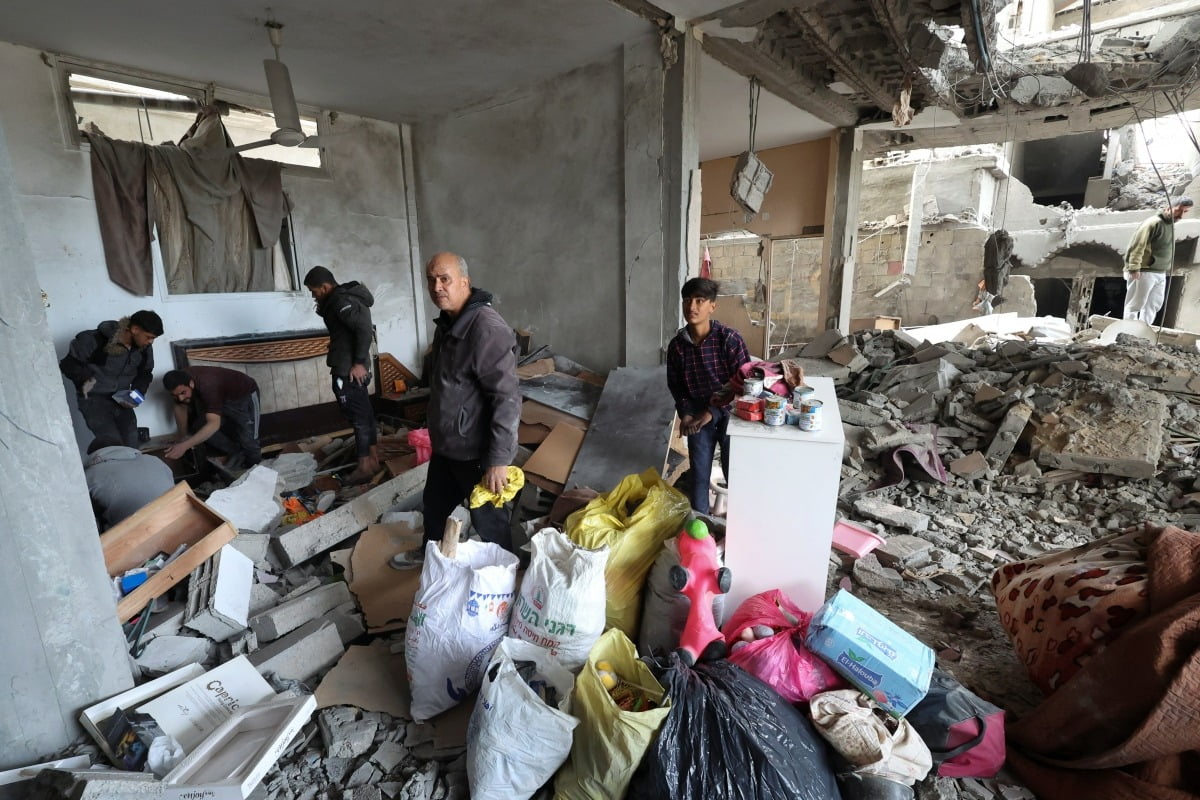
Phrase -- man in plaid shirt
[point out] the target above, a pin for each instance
(701, 359)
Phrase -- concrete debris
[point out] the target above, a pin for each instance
(295, 470)
(303, 654)
(165, 654)
(250, 502)
(288, 616)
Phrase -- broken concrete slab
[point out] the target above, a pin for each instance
(295, 470)
(253, 546)
(349, 621)
(302, 543)
(904, 552)
(860, 414)
(164, 654)
(824, 342)
(892, 515)
(250, 502)
(868, 572)
(302, 654)
(930, 376)
(287, 616)
(1118, 432)
(345, 735)
(219, 595)
(971, 466)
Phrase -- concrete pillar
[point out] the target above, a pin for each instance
(63, 648)
(681, 219)
(644, 173)
(662, 191)
(841, 229)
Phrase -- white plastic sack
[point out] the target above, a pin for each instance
(516, 742)
(460, 613)
(664, 610)
(561, 605)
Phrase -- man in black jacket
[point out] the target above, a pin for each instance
(346, 310)
(474, 405)
(107, 365)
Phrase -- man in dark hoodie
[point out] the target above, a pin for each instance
(474, 405)
(346, 309)
(105, 364)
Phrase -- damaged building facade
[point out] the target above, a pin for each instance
(577, 179)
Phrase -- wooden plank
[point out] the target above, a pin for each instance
(564, 393)
(631, 429)
(300, 544)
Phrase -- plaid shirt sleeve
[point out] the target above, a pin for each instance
(736, 352)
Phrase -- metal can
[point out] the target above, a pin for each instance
(774, 403)
(801, 392)
(810, 415)
(753, 386)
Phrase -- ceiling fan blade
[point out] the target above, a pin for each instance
(283, 99)
(250, 146)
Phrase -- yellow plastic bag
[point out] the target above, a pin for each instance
(609, 743)
(515, 479)
(633, 520)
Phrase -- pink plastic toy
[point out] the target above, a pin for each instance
(700, 577)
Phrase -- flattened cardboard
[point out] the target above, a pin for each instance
(556, 455)
(531, 434)
(370, 678)
(385, 595)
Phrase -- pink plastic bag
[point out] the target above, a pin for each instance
(781, 661)
(419, 440)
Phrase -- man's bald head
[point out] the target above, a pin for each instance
(449, 282)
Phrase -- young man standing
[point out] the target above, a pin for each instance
(701, 359)
(346, 310)
(106, 362)
(218, 407)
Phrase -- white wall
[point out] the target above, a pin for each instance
(355, 221)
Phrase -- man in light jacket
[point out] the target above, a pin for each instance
(474, 405)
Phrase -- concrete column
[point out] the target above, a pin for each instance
(681, 220)
(644, 283)
(63, 648)
(841, 229)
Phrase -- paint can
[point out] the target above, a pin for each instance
(810, 415)
(753, 386)
(801, 392)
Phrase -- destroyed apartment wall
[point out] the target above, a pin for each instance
(795, 203)
(795, 282)
(63, 648)
(353, 220)
(529, 190)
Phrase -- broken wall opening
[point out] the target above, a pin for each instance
(1057, 170)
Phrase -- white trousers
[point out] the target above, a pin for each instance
(1144, 296)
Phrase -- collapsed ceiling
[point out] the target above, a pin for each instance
(881, 63)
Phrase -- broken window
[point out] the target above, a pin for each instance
(154, 111)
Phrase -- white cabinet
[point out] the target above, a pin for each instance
(783, 490)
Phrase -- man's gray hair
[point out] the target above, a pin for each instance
(1183, 200)
(461, 262)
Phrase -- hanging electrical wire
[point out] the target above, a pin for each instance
(755, 92)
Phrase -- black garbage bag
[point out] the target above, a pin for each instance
(730, 736)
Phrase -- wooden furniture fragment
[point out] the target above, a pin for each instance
(177, 518)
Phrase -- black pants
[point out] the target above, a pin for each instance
(355, 401)
(448, 484)
(237, 437)
(105, 418)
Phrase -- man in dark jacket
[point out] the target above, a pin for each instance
(218, 407)
(107, 365)
(346, 309)
(474, 405)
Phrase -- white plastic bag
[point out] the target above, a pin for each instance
(460, 613)
(561, 605)
(516, 742)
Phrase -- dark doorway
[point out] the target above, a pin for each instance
(1053, 296)
(1108, 297)
(1057, 170)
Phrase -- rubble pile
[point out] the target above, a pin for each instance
(1041, 446)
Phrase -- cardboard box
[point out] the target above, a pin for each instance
(877, 323)
(177, 518)
(94, 718)
(232, 761)
(192, 711)
(872, 652)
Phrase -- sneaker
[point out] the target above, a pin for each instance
(408, 558)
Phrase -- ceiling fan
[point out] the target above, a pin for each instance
(288, 132)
